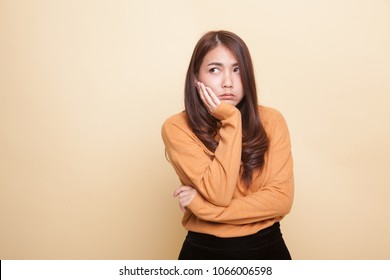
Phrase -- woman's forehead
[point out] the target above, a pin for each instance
(220, 54)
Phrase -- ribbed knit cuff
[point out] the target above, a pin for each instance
(224, 111)
(195, 204)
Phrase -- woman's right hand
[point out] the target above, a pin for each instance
(210, 100)
(186, 194)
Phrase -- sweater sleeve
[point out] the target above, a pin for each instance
(272, 200)
(213, 176)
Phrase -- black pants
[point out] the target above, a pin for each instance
(267, 244)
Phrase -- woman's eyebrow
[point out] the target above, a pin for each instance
(220, 64)
(215, 63)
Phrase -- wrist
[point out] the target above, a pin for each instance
(224, 111)
(194, 204)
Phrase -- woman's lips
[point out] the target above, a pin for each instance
(226, 96)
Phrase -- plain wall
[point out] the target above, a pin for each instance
(86, 85)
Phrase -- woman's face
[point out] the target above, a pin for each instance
(219, 71)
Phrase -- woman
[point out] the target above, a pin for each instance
(232, 156)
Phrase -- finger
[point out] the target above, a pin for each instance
(213, 97)
(181, 189)
(182, 208)
(184, 201)
(176, 192)
(202, 95)
(209, 102)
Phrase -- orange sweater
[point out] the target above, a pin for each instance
(224, 207)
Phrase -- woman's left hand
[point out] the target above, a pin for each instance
(186, 194)
(208, 97)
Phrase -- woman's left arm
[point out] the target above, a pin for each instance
(272, 200)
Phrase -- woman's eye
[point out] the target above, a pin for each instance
(214, 70)
(236, 69)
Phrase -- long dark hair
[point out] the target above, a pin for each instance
(205, 126)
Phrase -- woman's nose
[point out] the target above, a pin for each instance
(227, 81)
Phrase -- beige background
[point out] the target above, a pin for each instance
(86, 85)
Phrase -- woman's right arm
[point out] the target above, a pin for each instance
(215, 177)
(272, 200)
